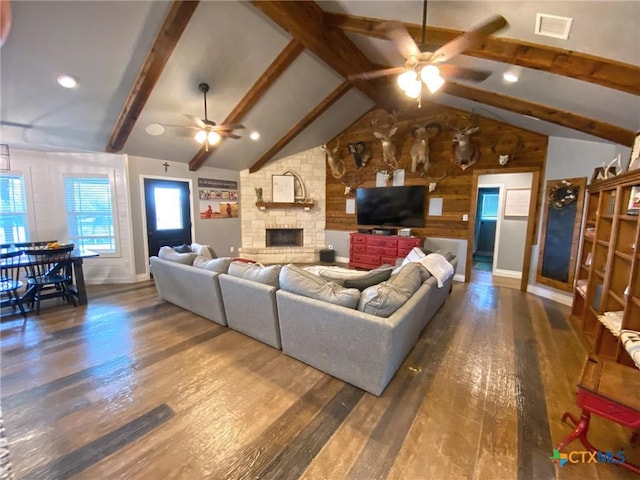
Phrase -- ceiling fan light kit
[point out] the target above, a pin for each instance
(207, 133)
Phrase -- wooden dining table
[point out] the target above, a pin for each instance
(77, 286)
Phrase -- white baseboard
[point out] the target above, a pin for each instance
(342, 259)
(458, 277)
(141, 277)
(507, 273)
(565, 299)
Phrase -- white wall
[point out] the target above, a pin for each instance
(44, 184)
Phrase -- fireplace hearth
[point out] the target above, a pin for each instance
(284, 237)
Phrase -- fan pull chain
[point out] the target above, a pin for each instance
(424, 21)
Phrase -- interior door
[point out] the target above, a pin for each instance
(168, 208)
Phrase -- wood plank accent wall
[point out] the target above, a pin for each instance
(455, 189)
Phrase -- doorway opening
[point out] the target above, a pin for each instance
(484, 238)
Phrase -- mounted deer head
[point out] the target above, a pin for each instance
(506, 147)
(361, 154)
(336, 165)
(420, 149)
(465, 152)
(389, 148)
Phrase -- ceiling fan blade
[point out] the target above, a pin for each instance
(196, 120)
(398, 33)
(229, 126)
(230, 135)
(463, 73)
(376, 73)
(468, 39)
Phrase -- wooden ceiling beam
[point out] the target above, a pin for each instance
(305, 22)
(175, 22)
(308, 119)
(588, 68)
(523, 107)
(268, 78)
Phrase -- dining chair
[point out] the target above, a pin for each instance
(10, 281)
(49, 274)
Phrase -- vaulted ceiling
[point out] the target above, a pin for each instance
(282, 68)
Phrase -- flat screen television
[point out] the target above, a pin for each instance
(391, 206)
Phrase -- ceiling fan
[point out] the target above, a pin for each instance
(431, 67)
(208, 131)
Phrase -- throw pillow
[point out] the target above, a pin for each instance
(220, 265)
(184, 248)
(168, 253)
(256, 272)
(415, 256)
(297, 280)
(385, 298)
(203, 250)
(359, 279)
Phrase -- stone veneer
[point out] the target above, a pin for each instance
(310, 167)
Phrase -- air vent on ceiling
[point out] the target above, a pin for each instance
(553, 26)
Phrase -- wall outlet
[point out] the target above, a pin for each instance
(465, 217)
(233, 249)
(330, 247)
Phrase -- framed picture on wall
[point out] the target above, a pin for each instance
(516, 203)
(283, 188)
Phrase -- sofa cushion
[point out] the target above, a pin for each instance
(169, 253)
(203, 250)
(415, 256)
(385, 298)
(359, 279)
(220, 265)
(297, 280)
(184, 248)
(256, 272)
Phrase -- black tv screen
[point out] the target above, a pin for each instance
(391, 206)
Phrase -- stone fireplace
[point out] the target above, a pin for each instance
(284, 237)
(298, 233)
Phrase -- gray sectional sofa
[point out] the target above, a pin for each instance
(355, 336)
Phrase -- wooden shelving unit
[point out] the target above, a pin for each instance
(608, 268)
(304, 205)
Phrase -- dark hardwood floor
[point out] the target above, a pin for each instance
(132, 387)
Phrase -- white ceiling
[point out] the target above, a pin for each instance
(230, 44)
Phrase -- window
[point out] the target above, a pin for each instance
(489, 206)
(13, 210)
(90, 213)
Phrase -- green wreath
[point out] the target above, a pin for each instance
(563, 194)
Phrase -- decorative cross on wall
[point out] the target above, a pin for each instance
(166, 166)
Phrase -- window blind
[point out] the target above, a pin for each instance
(89, 206)
(13, 210)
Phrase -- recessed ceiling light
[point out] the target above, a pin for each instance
(67, 81)
(254, 136)
(510, 77)
(155, 129)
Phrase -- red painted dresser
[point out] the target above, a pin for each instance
(370, 251)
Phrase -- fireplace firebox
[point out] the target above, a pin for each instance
(284, 237)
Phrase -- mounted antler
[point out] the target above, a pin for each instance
(433, 182)
(336, 165)
(389, 148)
(506, 147)
(349, 187)
(420, 149)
